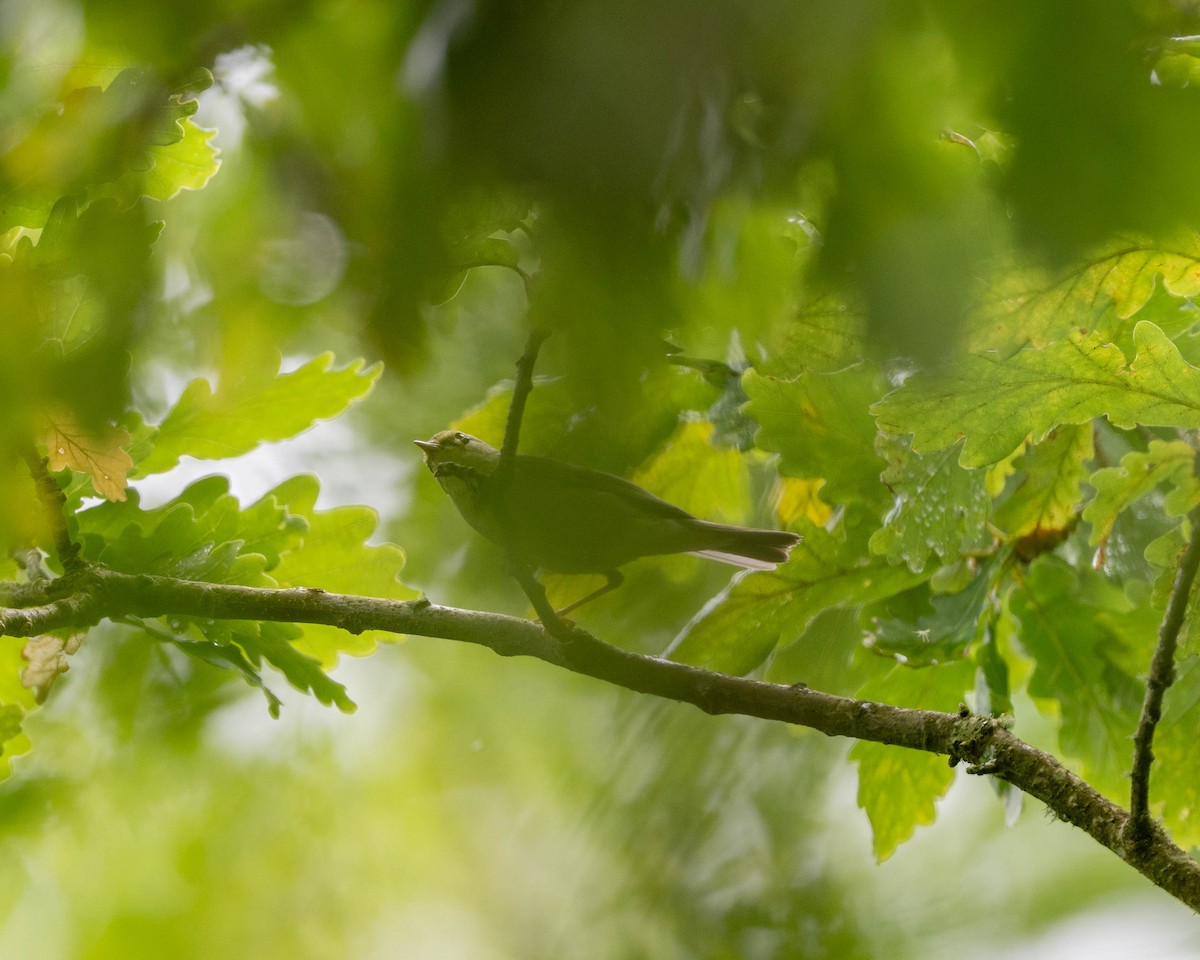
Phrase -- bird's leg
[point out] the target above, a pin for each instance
(537, 595)
(615, 579)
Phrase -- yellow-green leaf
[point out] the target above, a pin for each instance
(704, 480)
(1165, 462)
(898, 789)
(1050, 489)
(187, 164)
(996, 401)
(237, 417)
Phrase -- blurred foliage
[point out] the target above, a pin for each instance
(913, 280)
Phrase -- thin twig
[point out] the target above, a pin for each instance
(516, 407)
(54, 504)
(1162, 675)
(503, 476)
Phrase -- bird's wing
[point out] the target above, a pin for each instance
(567, 475)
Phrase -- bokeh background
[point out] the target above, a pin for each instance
(418, 183)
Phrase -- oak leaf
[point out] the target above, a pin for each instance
(95, 450)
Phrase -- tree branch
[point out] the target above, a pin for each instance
(91, 593)
(1162, 675)
(54, 504)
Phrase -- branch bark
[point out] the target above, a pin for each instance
(88, 595)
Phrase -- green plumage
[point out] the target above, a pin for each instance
(570, 519)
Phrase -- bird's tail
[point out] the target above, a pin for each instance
(744, 547)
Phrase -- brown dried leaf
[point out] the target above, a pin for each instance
(73, 446)
(47, 658)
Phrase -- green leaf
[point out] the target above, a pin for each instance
(1046, 496)
(73, 310)
(943, 635)
(825, 336)
(938, 505)
(195, 536)
(229, 657)
(1099, 294)
(820, 425)
(141, 435)
(1175, 776)
(72, 289)
(203, 534)
(471, 225)
(754, 288)
(1178, 67)
(336, 557)
(825, 656)
(273, 642)
(13, 739)
(186, 164)
(732, 427)
(1165, 463)
(1164, 553)
(693, 474)
(761, 611)
(135, 96)
(898, 789)
(1086, 639)
(1130, 271)
(496, 251)
(993, 689)
(16, 701)
(238, 417)
(223, 655)
(1176, 317)
(997, 402)
(275, 526)
(94, 141)
(280, 540)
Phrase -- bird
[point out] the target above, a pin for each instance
(569, 519)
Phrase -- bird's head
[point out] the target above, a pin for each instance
(460, 449)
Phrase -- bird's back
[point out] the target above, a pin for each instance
(574, 520)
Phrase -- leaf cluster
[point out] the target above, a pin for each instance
(206, 535)
(1031, 490)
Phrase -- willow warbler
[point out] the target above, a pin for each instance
(569, 519)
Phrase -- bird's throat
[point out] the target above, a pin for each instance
(468, 489)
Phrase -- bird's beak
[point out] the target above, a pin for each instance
(427, 445)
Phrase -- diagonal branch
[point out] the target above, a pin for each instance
(504, 475)
(516, 407)
(1162, 675)
(93, 593)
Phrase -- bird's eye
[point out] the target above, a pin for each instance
(461, 439)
